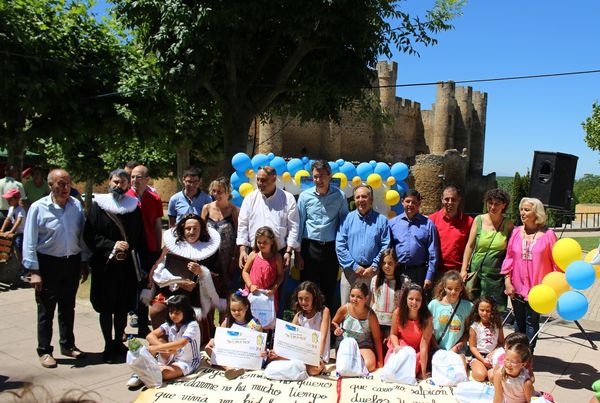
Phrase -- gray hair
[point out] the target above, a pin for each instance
(538, 209)
(364, 186)
(120, 173)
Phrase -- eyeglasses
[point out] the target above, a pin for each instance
(513, 362)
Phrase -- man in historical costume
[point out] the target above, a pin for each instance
(360, 240)
(190, 200)
(56, 257)
(114, 232)
(152, 212)
(415, 239)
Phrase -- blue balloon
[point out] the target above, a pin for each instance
(373, 163)
(335, 168)
(305, 159)
(259, 160)
(402, 187)
(364, 169)
(308, 166)
(383, 170)
(241, 162)
(399, 171)
(236, 198)
(398, 208)
(572, 305)
(279, 164)
(237, 179)
(270, 156)
(340, 162)
(349, 170)
(580, 275)
(294, 165)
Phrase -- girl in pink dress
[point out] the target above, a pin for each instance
(263, 271)
(411, 326)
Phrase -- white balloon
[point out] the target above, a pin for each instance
(292, 187)
(348, 190)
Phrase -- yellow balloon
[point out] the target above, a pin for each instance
(588, 258)
(343, 179)
(356, 181)
(542, 298)
(557, 281)
(286, 176)
(301, 173)
(250, 173)
(391, 214)
(391, 181)
(245, 189)
(565, 252)
(392, 197)
(374, 180)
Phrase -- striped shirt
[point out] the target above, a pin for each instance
(190, 353)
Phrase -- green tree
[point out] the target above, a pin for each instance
(591, 126)
(587, 189)
(518, 192)
(306, 59)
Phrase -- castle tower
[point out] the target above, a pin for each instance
(443, 119)
(270, 138)
(478, 133)
(462, 128)
(428, 172)
(387, 74)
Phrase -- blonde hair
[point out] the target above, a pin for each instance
(222, 182)
(538, 209)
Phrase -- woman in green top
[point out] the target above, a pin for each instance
(486, 249)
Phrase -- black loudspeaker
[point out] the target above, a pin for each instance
(552, 178)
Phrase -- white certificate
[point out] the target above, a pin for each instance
(238, 348)
(297, 342)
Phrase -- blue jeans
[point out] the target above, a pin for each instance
(526, 320)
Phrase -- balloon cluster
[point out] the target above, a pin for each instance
(387, 182)
(555, 290)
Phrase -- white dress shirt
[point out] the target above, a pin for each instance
(279, 212)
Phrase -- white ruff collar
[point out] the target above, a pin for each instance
(126, 205)
(196, 251)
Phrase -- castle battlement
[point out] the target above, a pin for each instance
(463, 93)
(406, 106)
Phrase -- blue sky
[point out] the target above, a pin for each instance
(514, 38)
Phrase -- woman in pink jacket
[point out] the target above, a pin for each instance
(528, 260)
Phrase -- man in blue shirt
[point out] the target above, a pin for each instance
(321, 209)
(362, 237)
(415, 240)
(56, 256)
(190, 200)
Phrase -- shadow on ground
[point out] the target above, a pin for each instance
(574, 375)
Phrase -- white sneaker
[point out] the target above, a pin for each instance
(134, 382)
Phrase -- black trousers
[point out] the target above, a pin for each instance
(60, 280)
(321, 267)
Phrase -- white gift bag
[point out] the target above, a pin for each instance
(400, 367)
(448, 368)
(348, 361)
(474, 392)
(286, 370)
(263, 309)
(145, 366)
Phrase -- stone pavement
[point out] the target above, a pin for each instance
(565, 364)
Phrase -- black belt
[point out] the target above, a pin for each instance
(322, 243)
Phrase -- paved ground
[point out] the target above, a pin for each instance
(565, 364)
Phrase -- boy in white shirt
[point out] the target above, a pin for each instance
(15, 219)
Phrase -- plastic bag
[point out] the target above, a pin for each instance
(262, 308)
(349, 362)
(286, 370)
(145, 366)
(448, 368)
(474, 392)
(400, 367)
(498, 357)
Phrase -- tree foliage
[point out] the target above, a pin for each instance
(307, 59)
(591, 126)
(587, 189)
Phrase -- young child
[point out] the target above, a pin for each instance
(357, 320)
(308, 303)
(485, 335)
(450, 296)
(177, 340)
(509, 341)
(238, 313)
(411, 326)
(385, 289)
(512, 384)
(15, 220)
(263, 271)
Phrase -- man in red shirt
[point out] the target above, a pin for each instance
(152, 212)
(453, 228)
